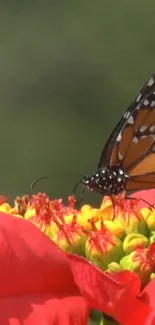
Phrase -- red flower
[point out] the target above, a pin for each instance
(42, 285)
(36, 282)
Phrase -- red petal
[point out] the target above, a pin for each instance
(147, 195)
(152, 249)
(43, 310)
(102, 290)
(37, 285)
(31, 261)
(132, 311)
(113, 294)
(148, 294)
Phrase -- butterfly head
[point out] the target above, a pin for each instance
(93, 182)
(87, 183)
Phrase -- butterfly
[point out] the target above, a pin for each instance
(127, 162)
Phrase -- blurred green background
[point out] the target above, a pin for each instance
(68, 70)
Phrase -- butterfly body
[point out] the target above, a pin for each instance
(127, 162)
(107, 181)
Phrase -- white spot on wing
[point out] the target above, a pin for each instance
(143, 128)
(143, 136)
(130, 120)
(120, 157)
(150, 82)
(152, 128)
(118, 179)
(152, 103)
(135, 140)
(146, 102)
(138, 98)
(119, 137)
(127, 114)
(120, 171)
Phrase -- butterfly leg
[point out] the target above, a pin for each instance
(134, 198)
(113, 204)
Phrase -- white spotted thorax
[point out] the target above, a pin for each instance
(107, 181)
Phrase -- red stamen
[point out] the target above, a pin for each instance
(3, 199)
(100, 239)
(69, 230)
(71, 201)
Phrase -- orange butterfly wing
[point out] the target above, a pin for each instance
(123, 132)
(132, 143)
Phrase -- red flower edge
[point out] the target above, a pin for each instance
(37, 285)
(147, 195)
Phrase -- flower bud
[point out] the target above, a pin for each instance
(141, 261)
(113, 226)
(5, 207)
(103, 247)
(29, 213)
(133, 241)
(130, 217)
(150, 218)
(145, 212)
(106, 209)
(113, 268)
(86, 213)
(152, 276)
(70, 237)
(152, 236)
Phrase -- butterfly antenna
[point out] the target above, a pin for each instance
(76, 186)
(38, 180)
(51, 176)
